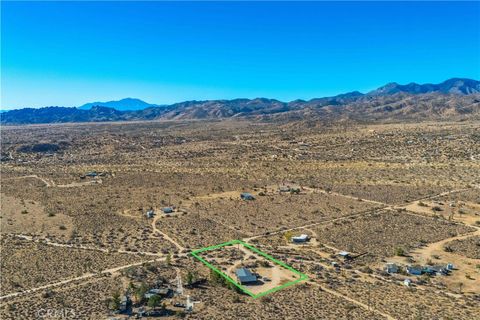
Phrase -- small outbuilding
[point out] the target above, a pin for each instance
(150, 213)
(247, 196)
(345, 255)
(391, 268)
(167, 210)
(245, 276)
(91, 174)
(301, 238)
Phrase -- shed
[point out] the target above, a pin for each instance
(391, 268)
(150, 213)
(167, 210)
(344, 254)
(247, 196)
(300, 238)
(407, 282)
(245, 276)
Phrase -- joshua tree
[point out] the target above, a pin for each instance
(154, 301)
(115, 301)
(140, 292)
(190, 278)
(288, 236)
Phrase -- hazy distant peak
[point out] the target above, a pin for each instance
(126, 104)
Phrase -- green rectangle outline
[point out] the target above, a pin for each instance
(243, 289)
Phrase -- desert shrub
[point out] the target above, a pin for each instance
(399, 251)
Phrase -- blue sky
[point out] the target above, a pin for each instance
(69, 53)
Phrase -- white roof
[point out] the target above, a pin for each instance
(301, 237)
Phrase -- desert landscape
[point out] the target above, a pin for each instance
(114, 212)
(240, 160)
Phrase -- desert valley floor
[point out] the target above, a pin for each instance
(96, 211)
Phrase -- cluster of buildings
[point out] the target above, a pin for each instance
(417, 270)
(166, 210)
(139, 310)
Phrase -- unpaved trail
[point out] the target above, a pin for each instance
(318, 190)
(48, 182)
(82, 277)
(166, 236)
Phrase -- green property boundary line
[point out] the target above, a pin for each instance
(195, 254)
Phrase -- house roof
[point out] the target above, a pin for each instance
(302, 237)
(244, 275)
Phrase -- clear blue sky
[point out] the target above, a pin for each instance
(69, 53)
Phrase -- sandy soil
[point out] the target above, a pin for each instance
(29, 217)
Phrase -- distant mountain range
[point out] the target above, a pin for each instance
(454, 99)
(454, 85)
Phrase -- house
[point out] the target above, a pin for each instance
(247, 196)
(391, 268)
(244, 276)
(167, 210)
(344, 254)
(150, 213)
(300, 238)
(415, 270)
